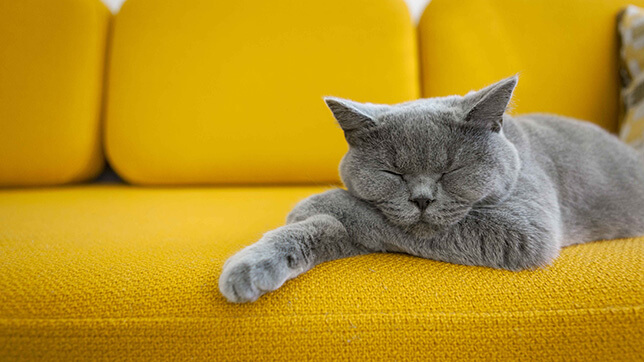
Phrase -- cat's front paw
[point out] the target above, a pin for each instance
(255, 270)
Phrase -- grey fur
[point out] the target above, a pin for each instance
(454, 179)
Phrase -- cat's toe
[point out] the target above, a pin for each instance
(236, 284)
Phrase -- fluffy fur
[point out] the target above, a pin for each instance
(454, 179)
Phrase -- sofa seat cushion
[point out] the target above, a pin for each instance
(123, 272)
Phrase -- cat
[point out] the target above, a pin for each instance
(454, 179)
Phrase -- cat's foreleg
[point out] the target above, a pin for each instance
(314, 234)
(502, 238)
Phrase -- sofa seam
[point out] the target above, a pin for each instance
(633, 308)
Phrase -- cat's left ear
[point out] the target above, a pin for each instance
(489, 104)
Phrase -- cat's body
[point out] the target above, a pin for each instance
(598, 180)
(456, 180)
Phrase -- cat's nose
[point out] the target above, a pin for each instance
(422, 202)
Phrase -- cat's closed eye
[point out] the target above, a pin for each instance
(457, 168)
(453, 170)
(392, 173)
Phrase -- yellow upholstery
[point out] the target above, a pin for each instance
(230, 92)
(122, 272)
(566, 52)
(51, 77)
(204, 92)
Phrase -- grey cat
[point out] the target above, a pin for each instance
(454, 179)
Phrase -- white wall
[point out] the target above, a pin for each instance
(416, 7)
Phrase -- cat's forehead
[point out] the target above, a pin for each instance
(426, 110)
(417, 138)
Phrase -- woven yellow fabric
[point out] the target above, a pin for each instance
(105, 272)
(564, 50)
(231, 91)
(52, 55)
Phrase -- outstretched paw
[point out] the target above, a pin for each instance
(255, 270)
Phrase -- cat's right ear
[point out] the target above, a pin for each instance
(352, 116)
(489, 104)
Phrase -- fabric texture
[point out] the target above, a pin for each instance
(229, 92)
(631, 32)
(117, 272)
(563, 50)
(52, 56)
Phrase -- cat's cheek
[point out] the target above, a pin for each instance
(391, 187)
(460, 194)
(376, 188)
(465, 188)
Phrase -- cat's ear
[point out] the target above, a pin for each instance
(488, 105)
(352, 115)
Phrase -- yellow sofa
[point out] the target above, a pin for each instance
(212, 111)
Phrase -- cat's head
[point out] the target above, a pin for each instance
(425, 163)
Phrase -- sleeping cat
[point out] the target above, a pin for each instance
(454, 179)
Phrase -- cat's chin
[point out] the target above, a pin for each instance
(420, 225)
(424, 230)
(445, 220)
(416, 226)
(427, 226)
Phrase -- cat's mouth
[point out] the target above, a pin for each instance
(414, 218)
(432, 219)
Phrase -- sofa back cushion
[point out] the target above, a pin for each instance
(212, 92)
(52, 56)
(565, 51)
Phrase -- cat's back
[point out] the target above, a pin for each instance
(567, 141)
(551, 130)
(599, 180)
